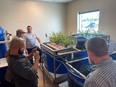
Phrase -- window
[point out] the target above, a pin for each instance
(88, 21)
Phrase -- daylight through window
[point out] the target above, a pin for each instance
(88, 21)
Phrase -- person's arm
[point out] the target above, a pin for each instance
(7, 54)
(31, 54)
(37, 58)
(38, 39)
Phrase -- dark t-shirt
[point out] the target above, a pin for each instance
(24, 73)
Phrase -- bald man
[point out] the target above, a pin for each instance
(25, 74)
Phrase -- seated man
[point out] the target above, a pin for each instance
(104, 71)
(24, 73)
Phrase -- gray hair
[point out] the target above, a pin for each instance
(98, 46)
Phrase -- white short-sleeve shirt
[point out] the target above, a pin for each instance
(30, 40)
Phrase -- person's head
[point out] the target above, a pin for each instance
(8, 33)
(29, 29)
(16, 46)
(19, 32)
(97, 49)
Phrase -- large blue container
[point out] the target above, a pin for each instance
(3, 45)
(74, 77)
(60, 60)
(76, 80)
(2, 74)
(80, 54)
(113, 55)
(49, 64)
(76, 55)
(81, 43)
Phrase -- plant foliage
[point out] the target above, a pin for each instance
(62, 39)
(90, 32)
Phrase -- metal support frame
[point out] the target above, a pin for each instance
(55, 54)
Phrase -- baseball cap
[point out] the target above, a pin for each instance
(20, 31)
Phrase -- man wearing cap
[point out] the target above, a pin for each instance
(19, 34)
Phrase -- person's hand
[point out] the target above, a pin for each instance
(26, 51)
(33, 51)
(37, 58)
(36, 55)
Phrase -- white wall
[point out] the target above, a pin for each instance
(43, 17)
(107, 15)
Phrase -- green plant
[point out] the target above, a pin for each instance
(62, 39)
(90, 32)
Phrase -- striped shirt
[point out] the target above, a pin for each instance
(104, 75)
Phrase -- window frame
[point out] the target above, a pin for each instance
(78, 18)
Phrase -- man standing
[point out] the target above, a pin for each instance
(24, 73)
(19, 34)
(104, 70)
(30, 39)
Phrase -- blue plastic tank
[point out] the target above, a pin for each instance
(74, 79)
(2, 45)
(49, 64)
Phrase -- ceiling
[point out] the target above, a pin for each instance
(56, 1)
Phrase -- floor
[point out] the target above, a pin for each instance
(45, 82)
(42, 82)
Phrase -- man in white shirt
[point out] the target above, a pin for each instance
(30, 39)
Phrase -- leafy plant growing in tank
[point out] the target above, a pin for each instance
(83, 36)
(90, 32)
(62, 39)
